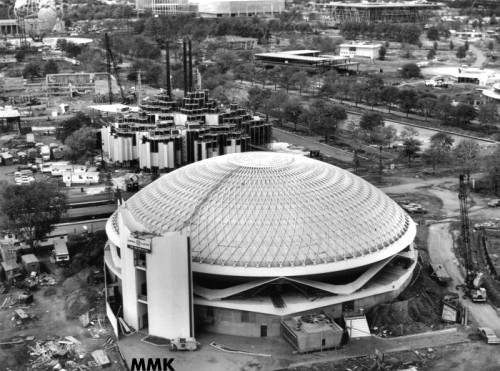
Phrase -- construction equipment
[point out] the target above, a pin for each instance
(473, 278)
(110, 61)
(184, 344)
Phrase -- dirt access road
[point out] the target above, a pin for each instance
(441, 241)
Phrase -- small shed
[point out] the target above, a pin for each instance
(10, 270)
(6, 159)
(32, 152)
(31, 263)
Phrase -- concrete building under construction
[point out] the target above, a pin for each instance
(250, 243)
(378, 12)
(165, 133)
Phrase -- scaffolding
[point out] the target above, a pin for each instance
(392, 12)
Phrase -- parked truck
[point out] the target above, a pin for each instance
(60, 252)
(45, 152)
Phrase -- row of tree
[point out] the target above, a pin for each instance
(399, 32)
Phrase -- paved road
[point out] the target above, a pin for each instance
(480, 57)
(77, 227)
(312, 143)
(440, 240)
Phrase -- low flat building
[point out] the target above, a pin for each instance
(360, 50)
(10, 119)
(308, 59)
(477, 76)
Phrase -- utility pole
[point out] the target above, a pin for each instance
(140, 87)
(108, 67)
(380, 164)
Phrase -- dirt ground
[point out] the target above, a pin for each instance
(49, 321)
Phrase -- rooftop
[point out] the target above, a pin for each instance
(265, 212)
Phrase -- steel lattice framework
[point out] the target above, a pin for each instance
(265, 210)
(395, 12)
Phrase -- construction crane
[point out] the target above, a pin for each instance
(473, 279)
(110, 62)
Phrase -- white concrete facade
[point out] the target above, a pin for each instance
(158, 293)
(360, 50)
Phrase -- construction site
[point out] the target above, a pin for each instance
(275, 261)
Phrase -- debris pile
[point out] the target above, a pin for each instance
(46, 280)
(9, 302)
(67, 352)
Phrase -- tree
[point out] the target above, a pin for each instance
(344, 87)
(462, 115)
(50, 67)
(299, 79)
(411, 146)
(466, 45)
(431, 54)
(487, 114)
(31, 210)
(277, 104)
(452, 46)
(325, 116)
(426, 105)
(20, 56)
(493, 170)
(407, 100)
(461, 52)
(292, 111)
(381, 53)
(389, 96)
(433, 34)
(256, 99)
(435, 45)
(490, 45)
(371, 120)
(466, 153)
(441, 144)
(81, 144)
(410, 70)
(389, 133)
(74, 123)
(32, 70)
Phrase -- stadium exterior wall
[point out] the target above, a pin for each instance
(243, 323)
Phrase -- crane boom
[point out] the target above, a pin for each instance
(110, 62)
(465, 234)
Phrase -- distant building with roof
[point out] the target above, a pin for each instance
(10, 119)
(307, 59)
(238, 8)
(363, 49)
(397, 12)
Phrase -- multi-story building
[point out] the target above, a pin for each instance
(167, 7)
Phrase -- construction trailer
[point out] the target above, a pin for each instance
(31, 263)
(60, 252)
(312, 333)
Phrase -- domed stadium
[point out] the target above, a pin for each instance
(267, 235)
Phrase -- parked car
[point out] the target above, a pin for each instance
(494, 203)
(488, 335)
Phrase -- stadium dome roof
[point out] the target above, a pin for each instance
(268, 214)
